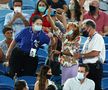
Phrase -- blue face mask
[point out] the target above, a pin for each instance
(37, 27)
(41, 9)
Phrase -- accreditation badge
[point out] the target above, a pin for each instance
(32, 52)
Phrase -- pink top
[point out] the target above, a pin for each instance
(101, 21)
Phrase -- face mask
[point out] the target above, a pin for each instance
(48, 76)
(92, 9)
(71, 6)
(17, 9)
(37, 27)
(85, 34)
(41, 9)
(80, 76)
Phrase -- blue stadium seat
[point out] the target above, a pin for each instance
(6, 81)
(105, 83)
(106, 41)
(4, 69)
(30, 81)
(2, 19)
(103, 6)
(106, 60)
(6, 87)
(29, 11)
(105, 70)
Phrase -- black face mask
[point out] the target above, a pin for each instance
(48, 76)
(92, 9)
(85, 33)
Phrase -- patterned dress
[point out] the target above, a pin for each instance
(69, 64)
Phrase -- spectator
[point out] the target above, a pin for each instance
(17, 19)
(98, 16)
(60, 5)
(29, 40)
(41, 7)
(4, 4)
(80, 82)
(93, 52)
(74, 13)
(21, 85)
(44, 76)
(4, 44)
(70, 46)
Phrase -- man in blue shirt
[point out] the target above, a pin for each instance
(23, 59)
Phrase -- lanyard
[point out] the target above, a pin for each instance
(34, 42)
(86, 47)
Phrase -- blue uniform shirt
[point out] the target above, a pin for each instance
(28, 39)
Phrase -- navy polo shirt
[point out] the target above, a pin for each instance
(59, 4)
(26, 39)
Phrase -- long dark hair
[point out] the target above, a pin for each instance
(42, 77)
(44, 1)
(77, 11)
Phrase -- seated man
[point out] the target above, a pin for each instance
(17, 19)
(100, 17)
(80, 82)
(5, 43)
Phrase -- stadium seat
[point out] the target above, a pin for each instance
(6, 81)
(105, 70)
(29, 11)
(103, 6)
(30, 81)
(4, 69)
(105, 83)
(106, 60)
(106, 41)
(6, 87)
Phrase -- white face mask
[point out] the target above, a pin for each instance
(80, 76)
(37, 27)
(17, 9)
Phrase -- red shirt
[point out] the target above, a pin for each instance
(101, 21)
(45, 21)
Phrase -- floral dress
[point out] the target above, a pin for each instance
(69, 64)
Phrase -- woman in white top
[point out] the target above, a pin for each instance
(44, 82)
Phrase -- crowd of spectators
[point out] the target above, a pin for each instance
(59, 26)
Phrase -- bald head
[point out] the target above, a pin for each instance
(95, 3)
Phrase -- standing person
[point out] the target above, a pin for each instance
(93, 52)
(70, 46)
(4, 44)
(23, 59)
(100, 17)
(80, 82)
(17, 19)
(44, 76)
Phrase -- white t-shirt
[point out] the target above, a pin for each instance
(96, 43)
(74, 84)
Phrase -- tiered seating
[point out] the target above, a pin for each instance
(30, 81)
(6, 83)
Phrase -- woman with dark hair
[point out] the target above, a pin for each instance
(44, 76)
(21, 85)
(41, 7)
(74, 12)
